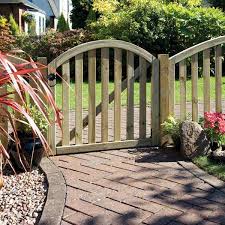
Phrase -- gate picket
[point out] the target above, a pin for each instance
(105, 93)
(91, 93)
(117, 100)
(78, 98)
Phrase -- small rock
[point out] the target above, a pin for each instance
(22, 198)
(218, 155)
(194, 141)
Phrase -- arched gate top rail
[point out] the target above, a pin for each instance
(100, 44)
(197, 48)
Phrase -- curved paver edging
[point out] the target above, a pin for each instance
(203, 175)
(55, 202)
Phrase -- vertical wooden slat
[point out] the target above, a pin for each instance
(164, 91)
(52, 127)
(194, 79)
(142, 95)
(43, 61)
(218, 70)
(117, 98)
(182, 77)
(66, 103)
(130, 95)
(91, 93)
(3, 120)
(105, 92)
(171, 88)
(164, 86)
(206, 77)
(155, 103)
(78, 98)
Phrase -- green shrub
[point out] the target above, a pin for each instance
(6, 39)
(62, 24)
(158, 27)
(52, 44)
(14, 27)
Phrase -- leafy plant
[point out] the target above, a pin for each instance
(38, 119)
(62, 24)
(15, 77)
(6, 39)
(171, 127)
(27, 17)
(14, 27)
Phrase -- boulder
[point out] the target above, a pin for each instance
(194, 141)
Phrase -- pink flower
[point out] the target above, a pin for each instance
(214, 123)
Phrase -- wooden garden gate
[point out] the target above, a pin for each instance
(126, 63)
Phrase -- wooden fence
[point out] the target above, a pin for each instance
(209, 55)
(129, 63)
(146, 63)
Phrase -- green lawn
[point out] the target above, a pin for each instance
(210, 166)
(136, 92)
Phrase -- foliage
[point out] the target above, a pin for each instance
(214, 124)
(38, 119)
(218, 3)
(211, 166)
(62, 24)
(27, 17)
(171, 127)
(186, 2)
(158, 27)
(15, 76)
(80, 13)
(52, 44)
(6, 39)
(14, 27)
(32, 28)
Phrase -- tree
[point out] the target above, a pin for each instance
(156, 26)
(218, 3)
(62, 24)
(80, 13)
(186, 2)
(14, 27)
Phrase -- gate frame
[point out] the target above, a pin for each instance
(155, 100)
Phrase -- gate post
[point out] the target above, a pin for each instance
(164, 90)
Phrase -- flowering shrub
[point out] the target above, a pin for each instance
(214, 124)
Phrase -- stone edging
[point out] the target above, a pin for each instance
(203, 175)
(55, 202)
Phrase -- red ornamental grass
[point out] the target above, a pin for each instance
(16, 76)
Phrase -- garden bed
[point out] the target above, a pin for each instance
(22, 198)
(213, 167)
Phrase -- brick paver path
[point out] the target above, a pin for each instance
(132, 187)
